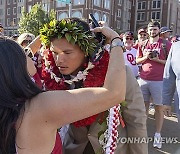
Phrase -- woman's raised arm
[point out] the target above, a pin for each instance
(62, 107)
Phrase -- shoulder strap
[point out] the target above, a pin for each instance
(164, 48)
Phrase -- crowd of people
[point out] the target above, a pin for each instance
(150, 53)
(79, 94)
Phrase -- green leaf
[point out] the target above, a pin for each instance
(34, 20)
(72, 41)
(68, 37)
(124, 103)
(100, 135)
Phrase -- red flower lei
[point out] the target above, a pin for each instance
(95, 78)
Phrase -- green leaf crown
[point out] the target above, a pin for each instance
(70, 30)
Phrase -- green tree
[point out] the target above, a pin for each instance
(31, 22)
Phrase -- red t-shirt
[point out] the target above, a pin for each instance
(58, 145)
(152, 70)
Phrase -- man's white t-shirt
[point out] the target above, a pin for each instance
(130, 60)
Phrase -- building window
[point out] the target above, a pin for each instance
(20, 1)
(97, 2)
(155, 15)
(118, 24)
(14, 22)
(1, 2)
(142, 5)
(62, 15)
(96, 16)
(119, 13)
(8, 11)
(119, 2)
(156, 4)
(105, 18)
(18, 20)
(14, 1)
(8, 2)
(29, 8)
(107, 4)
(1, 21)
(128, 25)
(140, 16)
(130, 4)
(45, 7)
(1, 12)
(14, 10)
(8, 22)
(129, 15)
(78, 2)
(77, 14)
(19, 10)
(10, 33)
(60, 4)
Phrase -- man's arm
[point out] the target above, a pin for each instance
(134, 115)
(35, 45)
(168, 81)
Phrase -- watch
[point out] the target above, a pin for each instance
(116, 42)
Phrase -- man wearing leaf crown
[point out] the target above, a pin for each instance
(69, 62)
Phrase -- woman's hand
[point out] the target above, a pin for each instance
(35, 44)
(108, 32)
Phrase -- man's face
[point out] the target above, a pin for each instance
(166, 35)
(153, 31)
(26, 42)
(69, 58)
(142, 36)
(128, 41)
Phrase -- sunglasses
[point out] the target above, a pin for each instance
(27, 41)
(129, 38)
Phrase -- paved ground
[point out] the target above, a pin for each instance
(170, 129)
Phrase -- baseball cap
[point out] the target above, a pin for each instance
(165, 30)
(129, 34)
(142, 30)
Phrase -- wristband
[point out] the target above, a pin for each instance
(115, 43)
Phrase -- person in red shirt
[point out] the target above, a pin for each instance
(153, 59)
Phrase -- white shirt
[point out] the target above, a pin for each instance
(130, 60)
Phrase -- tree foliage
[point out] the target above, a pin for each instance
(34, 20)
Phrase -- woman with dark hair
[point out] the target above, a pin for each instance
(30, 117)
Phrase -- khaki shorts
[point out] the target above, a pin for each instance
(151, 89)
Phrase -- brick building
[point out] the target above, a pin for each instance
(116, 13)
(119, 14)
(165, 11)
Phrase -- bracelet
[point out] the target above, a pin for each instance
(116, 43)
(115, 38)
